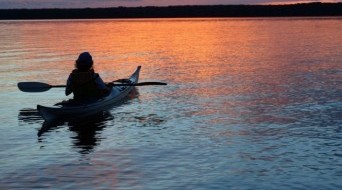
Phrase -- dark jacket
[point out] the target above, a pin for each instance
(85, 85)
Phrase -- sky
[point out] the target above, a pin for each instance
(10, 4)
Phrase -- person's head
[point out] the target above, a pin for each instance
(84, 62)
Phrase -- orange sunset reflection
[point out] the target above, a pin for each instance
(232, 56)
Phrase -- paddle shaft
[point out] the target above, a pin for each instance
(136, 84)
(41, 87)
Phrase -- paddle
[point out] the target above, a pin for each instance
(42, 87)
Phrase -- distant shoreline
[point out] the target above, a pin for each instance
(191, 11)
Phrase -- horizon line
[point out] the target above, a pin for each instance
(259, 4)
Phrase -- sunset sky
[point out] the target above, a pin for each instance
(4, 4)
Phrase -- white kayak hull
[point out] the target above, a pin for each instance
(117, 95)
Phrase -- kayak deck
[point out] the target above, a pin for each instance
(73, 110)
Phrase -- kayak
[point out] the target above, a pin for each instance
(72, 110)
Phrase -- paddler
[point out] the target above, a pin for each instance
(83, 82)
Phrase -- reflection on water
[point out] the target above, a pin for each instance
(29, 115)
(87, 130)
(250, 103)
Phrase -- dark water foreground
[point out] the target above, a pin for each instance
(250, 104)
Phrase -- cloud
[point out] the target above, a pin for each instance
(283, 2)
(134, 3)
(66, 3)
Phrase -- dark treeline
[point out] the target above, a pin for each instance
(310, 9)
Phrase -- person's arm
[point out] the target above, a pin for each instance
(68, 89)
(100, 84)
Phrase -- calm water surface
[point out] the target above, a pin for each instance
(251, 104)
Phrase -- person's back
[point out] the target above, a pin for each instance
(83, 82)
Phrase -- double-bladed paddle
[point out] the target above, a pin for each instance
(42, 87)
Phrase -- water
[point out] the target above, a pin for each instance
(251, 104)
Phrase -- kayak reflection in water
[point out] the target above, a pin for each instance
(86, 131)
(84, 83)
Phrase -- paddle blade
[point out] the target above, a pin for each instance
(33, 86)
